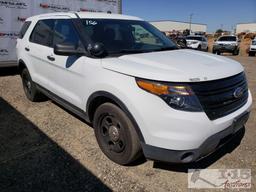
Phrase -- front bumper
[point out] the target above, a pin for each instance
(210, 145)
(225, 48)
(193, 46)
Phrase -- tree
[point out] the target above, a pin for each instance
(219, 31)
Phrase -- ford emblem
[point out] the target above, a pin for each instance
(238, 92)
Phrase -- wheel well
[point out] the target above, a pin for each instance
(21, 66)
(95, 103)
(100, 97)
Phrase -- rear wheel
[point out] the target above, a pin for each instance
(116, 134)
(29, 87)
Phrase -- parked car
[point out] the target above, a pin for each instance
(143, 96)
(197, 42)
(226, 44)
(252, 48)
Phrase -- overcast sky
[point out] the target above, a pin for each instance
(214, 13)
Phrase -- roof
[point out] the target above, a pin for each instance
(176, 21)
(246, 23)
(84, 15)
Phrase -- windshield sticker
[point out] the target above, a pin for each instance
(91, 22)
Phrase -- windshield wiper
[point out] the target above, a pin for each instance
(132, 51)
(166, 48)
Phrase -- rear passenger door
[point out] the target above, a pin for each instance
(39, 49)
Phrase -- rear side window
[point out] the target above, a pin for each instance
(24, 29)
(43, 33)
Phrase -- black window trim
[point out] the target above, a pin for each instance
(78, 27)
(26, 22)
(34, 30)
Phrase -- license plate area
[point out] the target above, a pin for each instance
(240, 121)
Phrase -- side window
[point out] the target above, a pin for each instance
(24, 29)
(65, 32)
(43, 33)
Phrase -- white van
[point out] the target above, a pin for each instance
(142, 95)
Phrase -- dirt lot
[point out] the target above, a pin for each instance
(45, 148)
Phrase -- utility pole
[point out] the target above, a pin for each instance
(190, 20)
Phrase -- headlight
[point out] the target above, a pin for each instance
(233, 44)
(177, 96)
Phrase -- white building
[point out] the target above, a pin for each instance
(245, 27)
(169, 25)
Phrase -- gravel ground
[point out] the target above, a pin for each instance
(45, 148)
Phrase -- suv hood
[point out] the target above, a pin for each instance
(174, 66)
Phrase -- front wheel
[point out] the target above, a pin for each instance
(251, 54)
(236, 52)
(116, 134)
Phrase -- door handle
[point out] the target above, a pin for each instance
(51, 58)
(27, 49)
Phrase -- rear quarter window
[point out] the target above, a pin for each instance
(24, 29)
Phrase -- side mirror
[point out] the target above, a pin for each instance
(97, 49)
(67, 49)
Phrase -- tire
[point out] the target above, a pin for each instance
(218, 52)
(116, 134)
(29, 87)
(199, 48)
(236, 52)
(251, 54)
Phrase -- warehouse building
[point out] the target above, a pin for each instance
(169, 25)
(246, 27)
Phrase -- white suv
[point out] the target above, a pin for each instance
(226, 44)
(252, 48)
(141, 94)
(197, 42)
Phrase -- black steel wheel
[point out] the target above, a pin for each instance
(29, 87)
(116, 135)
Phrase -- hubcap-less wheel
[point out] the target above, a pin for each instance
(27, 84)
(116, 134)
(112, 133)
(29, 87)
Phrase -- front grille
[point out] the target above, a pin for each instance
(217, 97)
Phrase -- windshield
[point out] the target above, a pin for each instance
(194, 38)
(126, 36)
(227, 38)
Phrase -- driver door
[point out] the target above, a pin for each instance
(67, 71)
